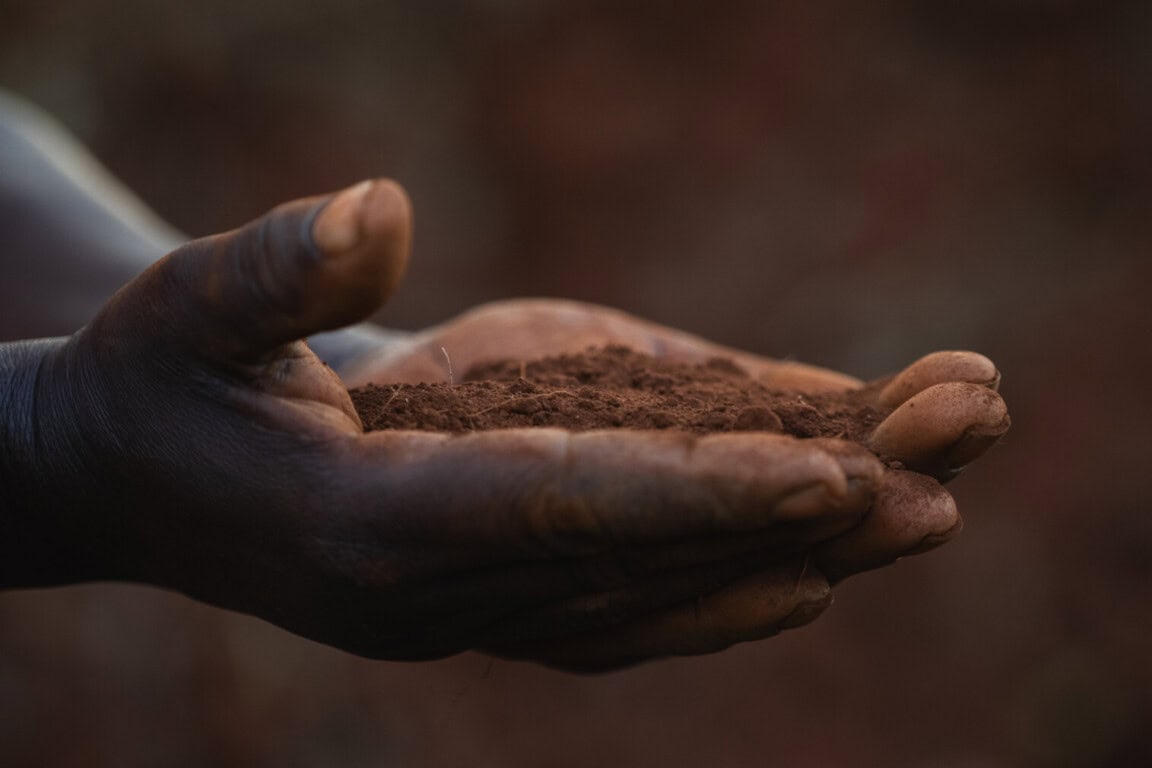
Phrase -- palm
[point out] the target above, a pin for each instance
(962, 418)
(534, 328)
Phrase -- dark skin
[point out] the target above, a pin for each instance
(188, 438)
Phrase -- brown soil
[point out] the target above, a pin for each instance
(613, 387)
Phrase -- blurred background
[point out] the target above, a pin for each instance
(851, 183)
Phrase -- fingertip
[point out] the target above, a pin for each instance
(938, 368)
(862, 470)
(845, 494)
(310, 265)
(937, 538)
(913, 513)
(757, 607)
(387, 220)
(808, 611)
(337, 228)
(367, 229)
(943, 428)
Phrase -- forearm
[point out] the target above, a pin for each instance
(70, 234)
(30, 551)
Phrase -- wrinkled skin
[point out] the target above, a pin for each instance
(187, 438)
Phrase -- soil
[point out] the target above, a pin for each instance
(613, 388)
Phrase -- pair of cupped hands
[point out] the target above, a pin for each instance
(188, 438)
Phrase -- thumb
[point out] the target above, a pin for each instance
(307, 266)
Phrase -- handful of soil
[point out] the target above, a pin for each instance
(614, 388)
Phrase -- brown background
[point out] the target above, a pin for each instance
(849, 182)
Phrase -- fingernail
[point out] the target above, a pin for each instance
(805, 502)
(934, 540)
(337, 228)
(861, 494)
(976, 442)
(806, 612)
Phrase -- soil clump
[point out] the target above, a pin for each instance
(613, 388)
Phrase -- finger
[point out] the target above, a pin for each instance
(754, 607)
(530, 329)
(603, 610)
(913, 513)
(938, 368)
(943, 428)
(532, 601)
(304, 392)
(639, 579)
(551, 614)
(307, 266)
(555, 492)
(619, 570)
(792, 376)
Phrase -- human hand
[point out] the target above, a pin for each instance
(943, 413)
(186, 438)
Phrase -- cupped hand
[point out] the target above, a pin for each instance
(187, 438)
(943, 412)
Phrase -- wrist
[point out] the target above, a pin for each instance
(33, 479)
